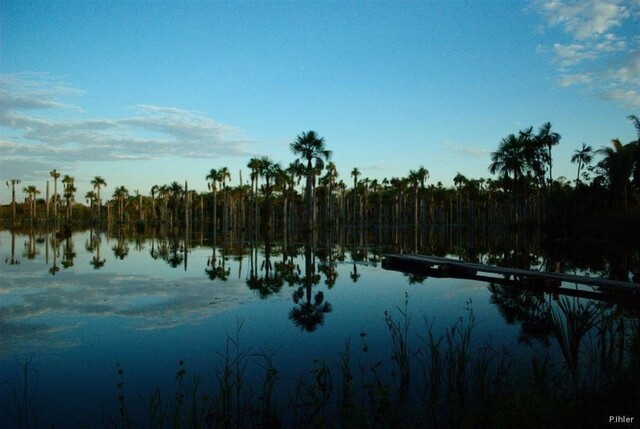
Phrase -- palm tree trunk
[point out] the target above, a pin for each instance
(215, 214)
(55, 199)
(46, 205)
(308, 199)
(99, 205)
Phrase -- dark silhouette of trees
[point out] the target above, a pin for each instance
(509, 160)
(13, 183)
(523, 193)
(582, 157)
(98, 182)
(616, 168)
(56, 175)
(32, 192)
(69, 195)
(311, 151)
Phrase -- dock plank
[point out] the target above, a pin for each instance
(422, 262)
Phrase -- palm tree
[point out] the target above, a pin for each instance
(547, 139)
(138, 196)
(97, 183)
(254, 164)
(54, 173)
(154, 191)
(459, 180)
(91, 197)
(636, 124)
(284, 181)
(423, 175)
(164, 193)
(414, 179)
(636, 152)
(213, 178)
(355, 173)
(120, 194)
(310, 148)
(377, 189)
(32, 192)
(69, 191)
(330, 184)
(175, 190)
(398, 186)
(582, 156)
(534, 156)
(223, 176)
(617, 168)
(269, 170)
(13, 183)
(509, 159)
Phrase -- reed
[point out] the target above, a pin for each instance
(123, 420)
(461, 384)
(153, 406)
(268, 412)
(570, 323)
(227, 408)
(347, 397)
(399, 332)
(18, 404)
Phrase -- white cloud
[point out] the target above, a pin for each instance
(45, 126)
(630, 71)
(629, 97)
(610, 43)
(34, 91)
(575, 79)
(584, 19)
(602, 54)
(568, 55)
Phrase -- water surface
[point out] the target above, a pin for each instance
(83, 307)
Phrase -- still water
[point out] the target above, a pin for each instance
(80, 309)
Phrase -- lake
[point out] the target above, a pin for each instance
(98, 321)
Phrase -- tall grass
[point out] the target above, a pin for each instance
(570, 323)
(400, 355)
(439, 378)
(19, 401)
(601, 351)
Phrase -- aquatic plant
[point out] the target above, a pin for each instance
(399, 332)
(19, 401)
(462, 384)
(570, 324)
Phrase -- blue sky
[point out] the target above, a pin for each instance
(145, 93)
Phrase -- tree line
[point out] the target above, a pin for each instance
(308, 193)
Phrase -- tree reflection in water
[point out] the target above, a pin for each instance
(269, 281)
(526, 307)
(310, 309)
(216, 269)
(121, 248)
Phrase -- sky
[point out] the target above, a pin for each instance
(151, 92)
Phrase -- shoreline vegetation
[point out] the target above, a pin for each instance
(522, 194)
(429, 380)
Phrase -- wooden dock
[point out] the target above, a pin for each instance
(434, 266)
